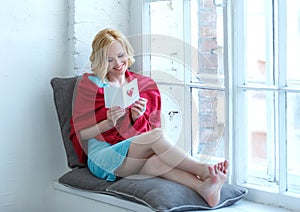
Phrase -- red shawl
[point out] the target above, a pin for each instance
(89, 109)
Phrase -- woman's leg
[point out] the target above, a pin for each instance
(154, 142)
(209, 189)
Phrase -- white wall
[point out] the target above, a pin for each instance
(33, 49)
(40, 40)
(89, 18)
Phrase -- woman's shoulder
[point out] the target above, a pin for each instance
(145, 83)
(90, 78)
(141, 78)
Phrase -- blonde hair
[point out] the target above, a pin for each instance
(101, 44)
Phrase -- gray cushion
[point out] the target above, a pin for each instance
(63, 89)
(157, 193)
(81, 178)
(164, 195)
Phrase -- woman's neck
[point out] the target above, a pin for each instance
(117, 81)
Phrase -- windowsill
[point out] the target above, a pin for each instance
(101, 198)
(270, 196)
(242, 205)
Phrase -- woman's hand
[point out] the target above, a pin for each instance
(138, 108)
(114, 113)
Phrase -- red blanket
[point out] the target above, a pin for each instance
(89, 109)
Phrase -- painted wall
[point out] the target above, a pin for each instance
(40, 40)
(89, 18)
(33, 49)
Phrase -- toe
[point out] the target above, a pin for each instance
(211, 170)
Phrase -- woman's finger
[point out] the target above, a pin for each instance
(142, 101)
(141, 104)
(137, 110)
(115, 113)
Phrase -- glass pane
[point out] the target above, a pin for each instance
(207, 41)
(293, 141)
(259, 41)
(260, 127)
(208, 119)
(172, 112)
(293, 41)
(167, 43)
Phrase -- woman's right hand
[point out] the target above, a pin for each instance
(114, 113)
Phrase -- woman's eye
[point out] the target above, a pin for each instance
(121, 55)
(110, 60)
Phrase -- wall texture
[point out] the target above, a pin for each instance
(90, 17)
(33, 49)
(40, 40)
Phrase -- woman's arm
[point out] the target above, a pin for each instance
(113, 114)
(95, 130)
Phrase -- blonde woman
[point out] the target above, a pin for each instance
(117, 142)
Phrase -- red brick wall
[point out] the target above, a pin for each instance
(208, 64)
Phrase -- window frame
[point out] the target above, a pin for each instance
(187, 84)
(260, 194)
(234, 60)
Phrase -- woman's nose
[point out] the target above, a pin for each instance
(117, 61)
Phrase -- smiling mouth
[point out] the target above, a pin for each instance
(120, 68)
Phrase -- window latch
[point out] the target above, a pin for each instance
(172, 114)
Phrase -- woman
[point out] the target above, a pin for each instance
(120, 142)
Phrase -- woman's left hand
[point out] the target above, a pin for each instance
(138, 108)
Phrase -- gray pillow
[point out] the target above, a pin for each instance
(155, 192)
(82, 178)
(63, 89)
(164, 195)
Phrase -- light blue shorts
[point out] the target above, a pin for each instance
(104, 158)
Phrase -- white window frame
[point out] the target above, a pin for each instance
(140, 24)
(140, 8)
(235, 59)
(238, 60)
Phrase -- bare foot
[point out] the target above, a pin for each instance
(222, 166)
(205, 173)
(210, 189)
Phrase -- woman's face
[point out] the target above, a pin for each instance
(117, 59)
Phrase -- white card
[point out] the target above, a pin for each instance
(123, 96)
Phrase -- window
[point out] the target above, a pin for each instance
(186, 60)
(266, 87)
(231, 68)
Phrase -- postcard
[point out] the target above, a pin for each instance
(121, 96)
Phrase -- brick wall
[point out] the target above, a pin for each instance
(208, 64)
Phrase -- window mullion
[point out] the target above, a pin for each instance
(187, 76)
(280, 50)
(269, 54)
(227, 84)
(270, 97)
(239, 105)
(139, 31)
(188, 48)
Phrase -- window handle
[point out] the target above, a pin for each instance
(172, 114)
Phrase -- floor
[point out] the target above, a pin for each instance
(246, 206)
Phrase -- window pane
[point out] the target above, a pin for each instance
(207, 40)
(208, 115)
(293, 41)
(259, 41)
(261, 146)
(293, 141)
(172, 112)
(167, 42)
